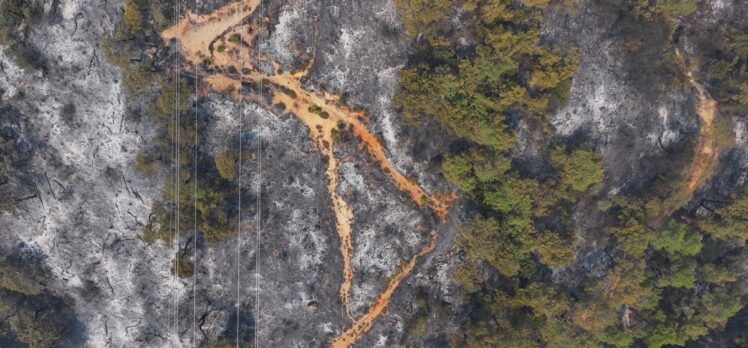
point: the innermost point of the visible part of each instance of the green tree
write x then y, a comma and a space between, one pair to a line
423, 17
730, 222
716, 307
459, 170
676, 238
580, 168
718, 273
554, 251
475, 167
627, 283
631, 234
663, 335
513, 197
544, 299
681, 273
487, 239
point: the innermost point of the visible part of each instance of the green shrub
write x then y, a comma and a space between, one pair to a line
27, 57
676, 8
226, 164
184, 267
315, 109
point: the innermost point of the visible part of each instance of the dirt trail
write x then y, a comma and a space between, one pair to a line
706, 153
706, 148
323, 113
363, 324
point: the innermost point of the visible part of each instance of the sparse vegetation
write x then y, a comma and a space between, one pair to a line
15, 12
31, 315
67, 113
212, 196
31, 329
416, 327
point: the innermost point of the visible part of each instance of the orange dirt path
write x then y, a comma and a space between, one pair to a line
707, 153
706, 149
363, 324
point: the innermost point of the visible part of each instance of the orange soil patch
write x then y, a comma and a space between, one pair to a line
195, 43
322, 113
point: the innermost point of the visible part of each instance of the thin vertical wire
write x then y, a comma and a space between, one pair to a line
178, 188
172, 220
194, 208
259, 197
239, 219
